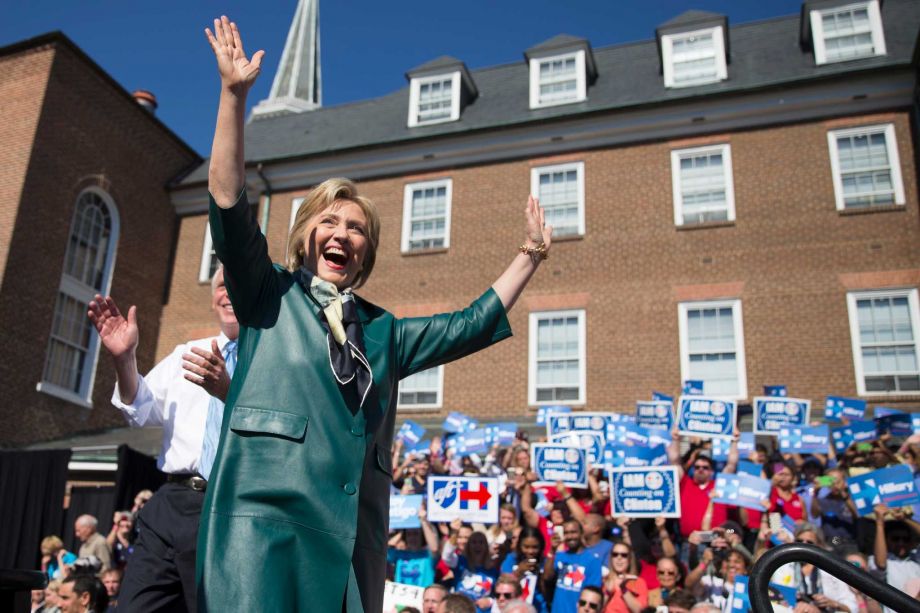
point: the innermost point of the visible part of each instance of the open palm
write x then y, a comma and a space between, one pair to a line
118, 334
237, 72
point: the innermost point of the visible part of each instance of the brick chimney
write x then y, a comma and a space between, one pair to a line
146, 99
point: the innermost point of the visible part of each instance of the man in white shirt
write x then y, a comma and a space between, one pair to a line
177, 395
895, 551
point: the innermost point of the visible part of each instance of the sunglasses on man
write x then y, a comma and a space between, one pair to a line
594, 606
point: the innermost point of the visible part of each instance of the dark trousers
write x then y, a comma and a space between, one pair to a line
160, 575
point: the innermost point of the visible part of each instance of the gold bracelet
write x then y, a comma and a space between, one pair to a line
538, 252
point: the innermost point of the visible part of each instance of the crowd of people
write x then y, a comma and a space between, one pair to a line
561, 549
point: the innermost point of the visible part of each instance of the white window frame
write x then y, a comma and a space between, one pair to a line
875, 25
414, 92
852, 298
893, 160
438, 403
581, 81
207, 251
579, 168
77, 290
667, 54
677, 192
407, 212
296, 203
534, 319
737, 328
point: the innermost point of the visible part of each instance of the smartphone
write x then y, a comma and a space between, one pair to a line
825, 481
863, 446
706, 536
559, 531
661, 609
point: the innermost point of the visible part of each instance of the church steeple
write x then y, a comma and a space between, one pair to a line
298, 84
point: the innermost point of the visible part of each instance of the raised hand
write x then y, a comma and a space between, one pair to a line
208, 370
237, 72
537, 231
118, 335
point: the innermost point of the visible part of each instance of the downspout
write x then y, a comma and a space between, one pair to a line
266, 201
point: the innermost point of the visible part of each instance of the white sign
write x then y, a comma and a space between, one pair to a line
472, 499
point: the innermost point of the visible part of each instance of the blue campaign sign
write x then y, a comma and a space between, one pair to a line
655, 414
596, 422
591, 442
749, 468
404, 511
692, 387
706, 416
915, 422
626, 432
552, 462
473, 441
542, 412
501, 433
645, 492
782, 595
458, 422
836, 407
772, 413
895, 421
410, 433
630, 456
775, 390
721, 447
471, 499
661, 396
893, 486
420, 448
741, 602
814, 439
742, 490
855, 432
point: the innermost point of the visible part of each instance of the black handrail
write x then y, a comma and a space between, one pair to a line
826, 561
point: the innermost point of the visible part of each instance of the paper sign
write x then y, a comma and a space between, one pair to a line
772, 413
721, 447
616, 456
472, 499
741, 602
915, 422
660, 396
775, 390
419, 449
893, 486
856, 432
404, 511
542, 412
813, 439
742, 490
655, 414
410, 433
895, 421
501, 433
591, 442
559, 423
836, 407
645, 492
705, 416
466, 443
458, 422
692, 387
749, 468
552, 462
398, 596
782, 595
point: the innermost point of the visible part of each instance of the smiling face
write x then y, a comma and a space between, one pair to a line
619, 558
571, 533
223, 310
336, 242
667, 573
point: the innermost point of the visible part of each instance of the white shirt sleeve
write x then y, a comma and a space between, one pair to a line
149, 406
835, 589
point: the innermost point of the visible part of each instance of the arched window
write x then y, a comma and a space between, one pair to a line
73, 348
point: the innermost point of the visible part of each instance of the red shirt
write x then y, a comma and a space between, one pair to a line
693, 502
792, 506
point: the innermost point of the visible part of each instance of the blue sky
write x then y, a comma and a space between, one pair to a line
367, 45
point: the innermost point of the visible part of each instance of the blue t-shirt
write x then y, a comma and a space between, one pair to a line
530, 584
412, 567
573, 572
601, 550
54, 571
473, 582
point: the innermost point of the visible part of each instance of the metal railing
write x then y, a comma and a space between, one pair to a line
770, 562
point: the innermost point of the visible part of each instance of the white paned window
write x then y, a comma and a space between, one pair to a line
559, 79
209, 261
702, 183
423, 390
557, 357
561, 190
296, 203
426, 215
886, 352
694, 58
434, 99
847, 32
712, 347
73, 347
865, 167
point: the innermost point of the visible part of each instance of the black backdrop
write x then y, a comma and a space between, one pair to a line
136, 472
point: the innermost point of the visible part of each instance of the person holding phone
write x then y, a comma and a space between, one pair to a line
834, 507
526, 563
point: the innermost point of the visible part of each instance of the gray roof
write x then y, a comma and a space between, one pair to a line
764, 54
559, 40
691, 17
444, 61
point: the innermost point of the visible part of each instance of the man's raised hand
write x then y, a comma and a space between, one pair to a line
118, 335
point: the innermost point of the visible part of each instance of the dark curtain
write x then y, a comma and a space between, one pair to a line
98, 501
136, 472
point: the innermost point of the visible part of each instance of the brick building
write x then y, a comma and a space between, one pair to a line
83, 209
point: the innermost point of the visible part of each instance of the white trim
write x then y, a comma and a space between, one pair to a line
728, 174
894, 162
296, 203
204, 268
875, 27
415, 89
718, 47
737, 330
579, 168
581, 81
534, 318
59, 392
448, 184
439, 398
853, 316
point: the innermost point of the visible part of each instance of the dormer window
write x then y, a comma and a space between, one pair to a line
847, 32
438, 91
560, 71
694, 58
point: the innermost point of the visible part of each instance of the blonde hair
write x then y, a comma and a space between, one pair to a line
51, 545
321, 198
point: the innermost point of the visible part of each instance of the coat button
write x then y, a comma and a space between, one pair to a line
350, 489
357, 430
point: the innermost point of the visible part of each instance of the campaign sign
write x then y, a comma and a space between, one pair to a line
591, 442
895, 421
772, 413
404, 511
692, 387
749, 468
554, 462
472, 499
616, 456
501, 433
645, 492
893, 486
741, 602
721, 447
775, 390
626, 432
410, 433
458, 422
664, 397
557, 423
836, 407
542, 412
398, 596
706, 416
473, 441
813, 439
915, 422
742, 490
855, 432
655, 414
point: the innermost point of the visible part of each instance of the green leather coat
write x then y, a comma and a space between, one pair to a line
297, 509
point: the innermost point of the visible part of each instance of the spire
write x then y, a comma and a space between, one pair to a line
298, 85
